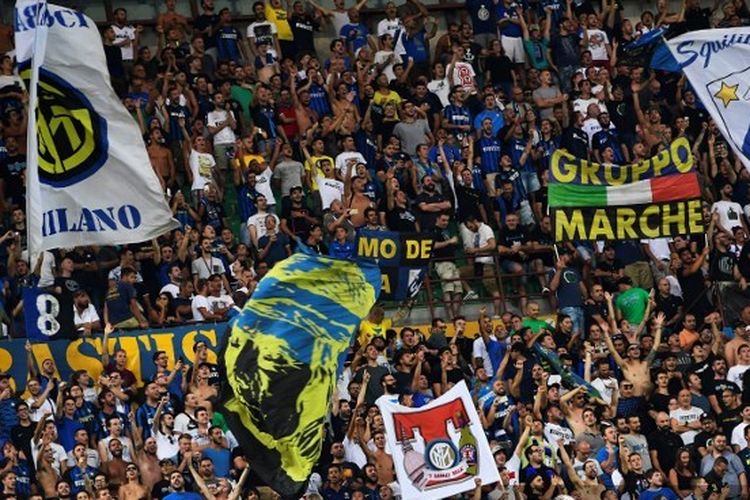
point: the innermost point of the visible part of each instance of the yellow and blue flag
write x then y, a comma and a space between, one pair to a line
282, 355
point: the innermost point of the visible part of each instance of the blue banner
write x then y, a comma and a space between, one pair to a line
402, 257
86, 354
47, 315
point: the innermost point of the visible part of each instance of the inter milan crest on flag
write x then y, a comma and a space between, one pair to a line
438, 449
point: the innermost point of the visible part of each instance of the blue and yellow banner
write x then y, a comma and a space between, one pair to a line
282, 357
402, 257
86, 354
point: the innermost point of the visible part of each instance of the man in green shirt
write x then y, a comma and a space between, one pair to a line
532, 321
631, 302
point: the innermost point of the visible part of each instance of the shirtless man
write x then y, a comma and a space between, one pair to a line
161, 159
382, 460
573, 410
355, 198
633, 368
731, 348
589, 487
148, 463
171, 20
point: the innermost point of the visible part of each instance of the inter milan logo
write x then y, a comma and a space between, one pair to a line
72, 135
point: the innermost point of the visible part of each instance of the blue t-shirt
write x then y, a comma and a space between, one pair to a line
118, 302
341, 250
509, 29
481, 16
222, 460
355, 35
650, 494
66, 430
183, 495
569, 290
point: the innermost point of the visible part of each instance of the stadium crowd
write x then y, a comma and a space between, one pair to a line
259, 142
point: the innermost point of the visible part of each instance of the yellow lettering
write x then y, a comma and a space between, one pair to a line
165, 342
624, 226
679, 147
388, 249
646, 230
668, 218
412, 249
695, 216
588, 173
42, 352
609, 177
189, 340
660, 162
130, 346
78, 360
6, 361
385, 283
567, 228
562, 171
638, 169
426, 249
368, 247
601, 227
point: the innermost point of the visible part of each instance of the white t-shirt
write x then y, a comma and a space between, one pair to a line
184, 423
201, 166
735, 374
125, 33
659, 247
167, 446
591, 126
343, 159
479, 350
684, 417
89, 315
463, 75
353, 453
223, 301
259, 221
730, 213
382, 56
581, 105
477, 240
263, 185
198, 302
205, 268
605, 387
553, 432
262, 30
598, 41
171, 289
225, 135
58, 455
330, 190
738, 435
389, 26
442, 89
47, 407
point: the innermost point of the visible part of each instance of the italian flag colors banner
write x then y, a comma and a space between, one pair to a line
655, 190
658, 197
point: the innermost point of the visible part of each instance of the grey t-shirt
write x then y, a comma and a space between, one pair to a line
412, 135
290, 172
546, 93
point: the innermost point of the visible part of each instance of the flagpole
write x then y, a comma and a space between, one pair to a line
33, 193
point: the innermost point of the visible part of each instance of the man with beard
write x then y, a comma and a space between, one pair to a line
430, 204
177, 483
163, 487
663, 444
148, 463
719, 385
115, 467
734, 476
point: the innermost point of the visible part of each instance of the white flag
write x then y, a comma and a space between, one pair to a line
717, 63
88, 176
440, 448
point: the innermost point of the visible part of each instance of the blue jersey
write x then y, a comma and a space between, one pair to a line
489, 149
509, 29
477, 179
516, 148
227, 44
78, 478
416, 46
23, 478
457, 115
355, 36
608, 139
319, 100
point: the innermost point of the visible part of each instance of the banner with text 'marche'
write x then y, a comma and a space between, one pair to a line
89, 179
655, 198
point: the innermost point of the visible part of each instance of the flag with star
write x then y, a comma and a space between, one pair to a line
717, 64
